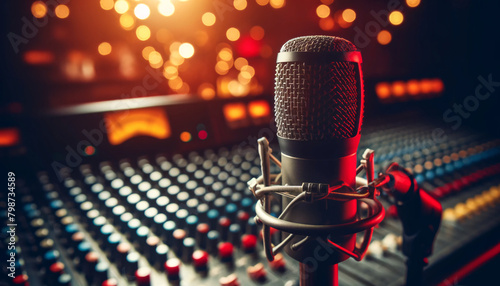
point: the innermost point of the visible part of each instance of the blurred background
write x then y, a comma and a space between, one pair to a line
202, 76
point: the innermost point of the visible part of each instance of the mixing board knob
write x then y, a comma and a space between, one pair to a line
55, 270
249, 242
21, 280
101, 272
131, 265
201, 235
257, 272
168, 230
226, 251
375, 249
191, 223
188, 248
110, 282
179, 235
143, 276
160, 256
89, 264
64, 280
278, 264
449, 215
200, 259
390, 242
172, 267
223, 227
213, 240
122, 251
234, 234
231, 280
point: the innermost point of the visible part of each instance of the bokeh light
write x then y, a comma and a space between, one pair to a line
232, 34
186, 50
127, 21
323, 11
276, 4
208, 19
146, 51
142, 11
349, 15
206, 91
262, 2
398, 88
383, 90
257, 33
384, 37
104, 48
62, 11
326, 24
121, 6
107, 4
166, 8
240, 5
412, 3
396, 18
143, 33
38, 9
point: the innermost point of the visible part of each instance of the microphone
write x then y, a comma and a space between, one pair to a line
318, 110
319, 100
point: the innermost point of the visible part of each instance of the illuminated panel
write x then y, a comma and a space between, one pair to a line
127, 124
9, 137
235, 114
259, 109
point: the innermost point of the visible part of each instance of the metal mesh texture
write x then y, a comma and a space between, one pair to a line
318, 44
316, 102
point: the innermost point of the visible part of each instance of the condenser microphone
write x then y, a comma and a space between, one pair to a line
318, 111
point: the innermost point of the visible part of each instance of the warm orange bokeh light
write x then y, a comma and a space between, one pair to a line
437, 85
412, 3
326, 24
398, 88
121, 6
276, 4
141, 11
185, 136
127, 21
349, 15
143, 33
413, 87
384, 37
124, 125
36, 57
257, 33
166, 8
240, 5
104, 48
426, 86
383, 90
62, 11
323, 11
38, 9
396, 18
9, 137
234, 112
206, 91
107, 4
208, 19
186, 50
232, 34
259, 109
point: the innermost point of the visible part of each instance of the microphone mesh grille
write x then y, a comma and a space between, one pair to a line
317, 101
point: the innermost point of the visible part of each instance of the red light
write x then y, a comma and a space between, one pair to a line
202, 134
248, 47
89, 150
9, 137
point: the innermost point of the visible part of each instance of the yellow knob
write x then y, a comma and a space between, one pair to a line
461, 211
449, 215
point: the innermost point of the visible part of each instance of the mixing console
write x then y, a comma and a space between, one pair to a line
187, 219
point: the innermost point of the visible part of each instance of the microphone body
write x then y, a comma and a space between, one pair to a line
318, 111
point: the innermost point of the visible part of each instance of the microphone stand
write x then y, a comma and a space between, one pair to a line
327, 275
